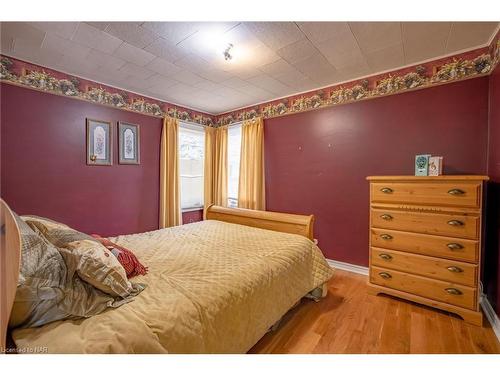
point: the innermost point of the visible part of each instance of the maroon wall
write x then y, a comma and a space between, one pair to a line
492, 250
43, 168
317, 162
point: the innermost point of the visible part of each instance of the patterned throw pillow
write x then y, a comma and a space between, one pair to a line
49, 289
127, 258
93, 262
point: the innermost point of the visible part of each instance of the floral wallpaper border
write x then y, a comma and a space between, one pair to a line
467, 65
36, 77
462, 66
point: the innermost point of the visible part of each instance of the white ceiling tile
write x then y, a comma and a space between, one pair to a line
277, 67
466, 34
136, 71
256, 92
112, 74
53, 42
26, 47
297, 51
135, 83
91, 37
215, 75
133, 54
191, 62
166, 49
22, 30
374, 36
263, 55
207, 85
208, 37
6, 43
294, 79
321, 31
234, 83
387, 58
341, 50
161, 89
435, 35
268, 83
103, 59
342, 59
276, 35
285, 73
354, 71
227, 92
173, 31
246, 72
160, 80
183, 88
185, 76
63, 29
317, 68
306, 85
132, 33
163, 67
99, 25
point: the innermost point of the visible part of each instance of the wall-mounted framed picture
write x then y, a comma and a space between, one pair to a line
128, 143
99, 145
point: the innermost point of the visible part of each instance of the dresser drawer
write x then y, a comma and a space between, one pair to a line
454, 294
423, 222
460, 194
435, 268
443, 247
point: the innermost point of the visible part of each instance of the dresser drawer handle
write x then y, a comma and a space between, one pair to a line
385, 275
455, 246
386, 236
386, 190
454, 291
454, 269
386, 217
456, 192
385, 256
455, 223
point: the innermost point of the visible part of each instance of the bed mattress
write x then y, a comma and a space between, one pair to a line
212, 287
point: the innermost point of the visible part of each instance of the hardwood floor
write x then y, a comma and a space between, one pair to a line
349, 320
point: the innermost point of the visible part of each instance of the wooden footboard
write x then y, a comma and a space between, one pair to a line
277, 221
10, 257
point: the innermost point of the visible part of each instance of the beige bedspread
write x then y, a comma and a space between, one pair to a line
213, 287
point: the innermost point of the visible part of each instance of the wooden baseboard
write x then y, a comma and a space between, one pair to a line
491, 315
348, 267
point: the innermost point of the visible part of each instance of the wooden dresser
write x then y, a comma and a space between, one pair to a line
425, 240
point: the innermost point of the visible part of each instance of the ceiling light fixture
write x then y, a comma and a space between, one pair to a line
227, 52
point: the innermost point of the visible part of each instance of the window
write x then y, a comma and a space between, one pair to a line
191, 165
233, 161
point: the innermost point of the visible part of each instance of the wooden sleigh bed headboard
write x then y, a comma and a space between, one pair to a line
10, 257
277, 221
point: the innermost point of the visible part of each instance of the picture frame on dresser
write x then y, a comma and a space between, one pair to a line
129, 143
99, 136
425, 241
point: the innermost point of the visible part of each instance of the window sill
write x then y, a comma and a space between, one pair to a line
192, 209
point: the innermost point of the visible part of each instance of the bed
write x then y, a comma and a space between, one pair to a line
216, 286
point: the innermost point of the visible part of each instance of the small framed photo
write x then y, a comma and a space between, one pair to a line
99, 145
128, 143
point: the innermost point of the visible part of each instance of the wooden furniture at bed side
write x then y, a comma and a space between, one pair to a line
10, 256
425, 241
277, 221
